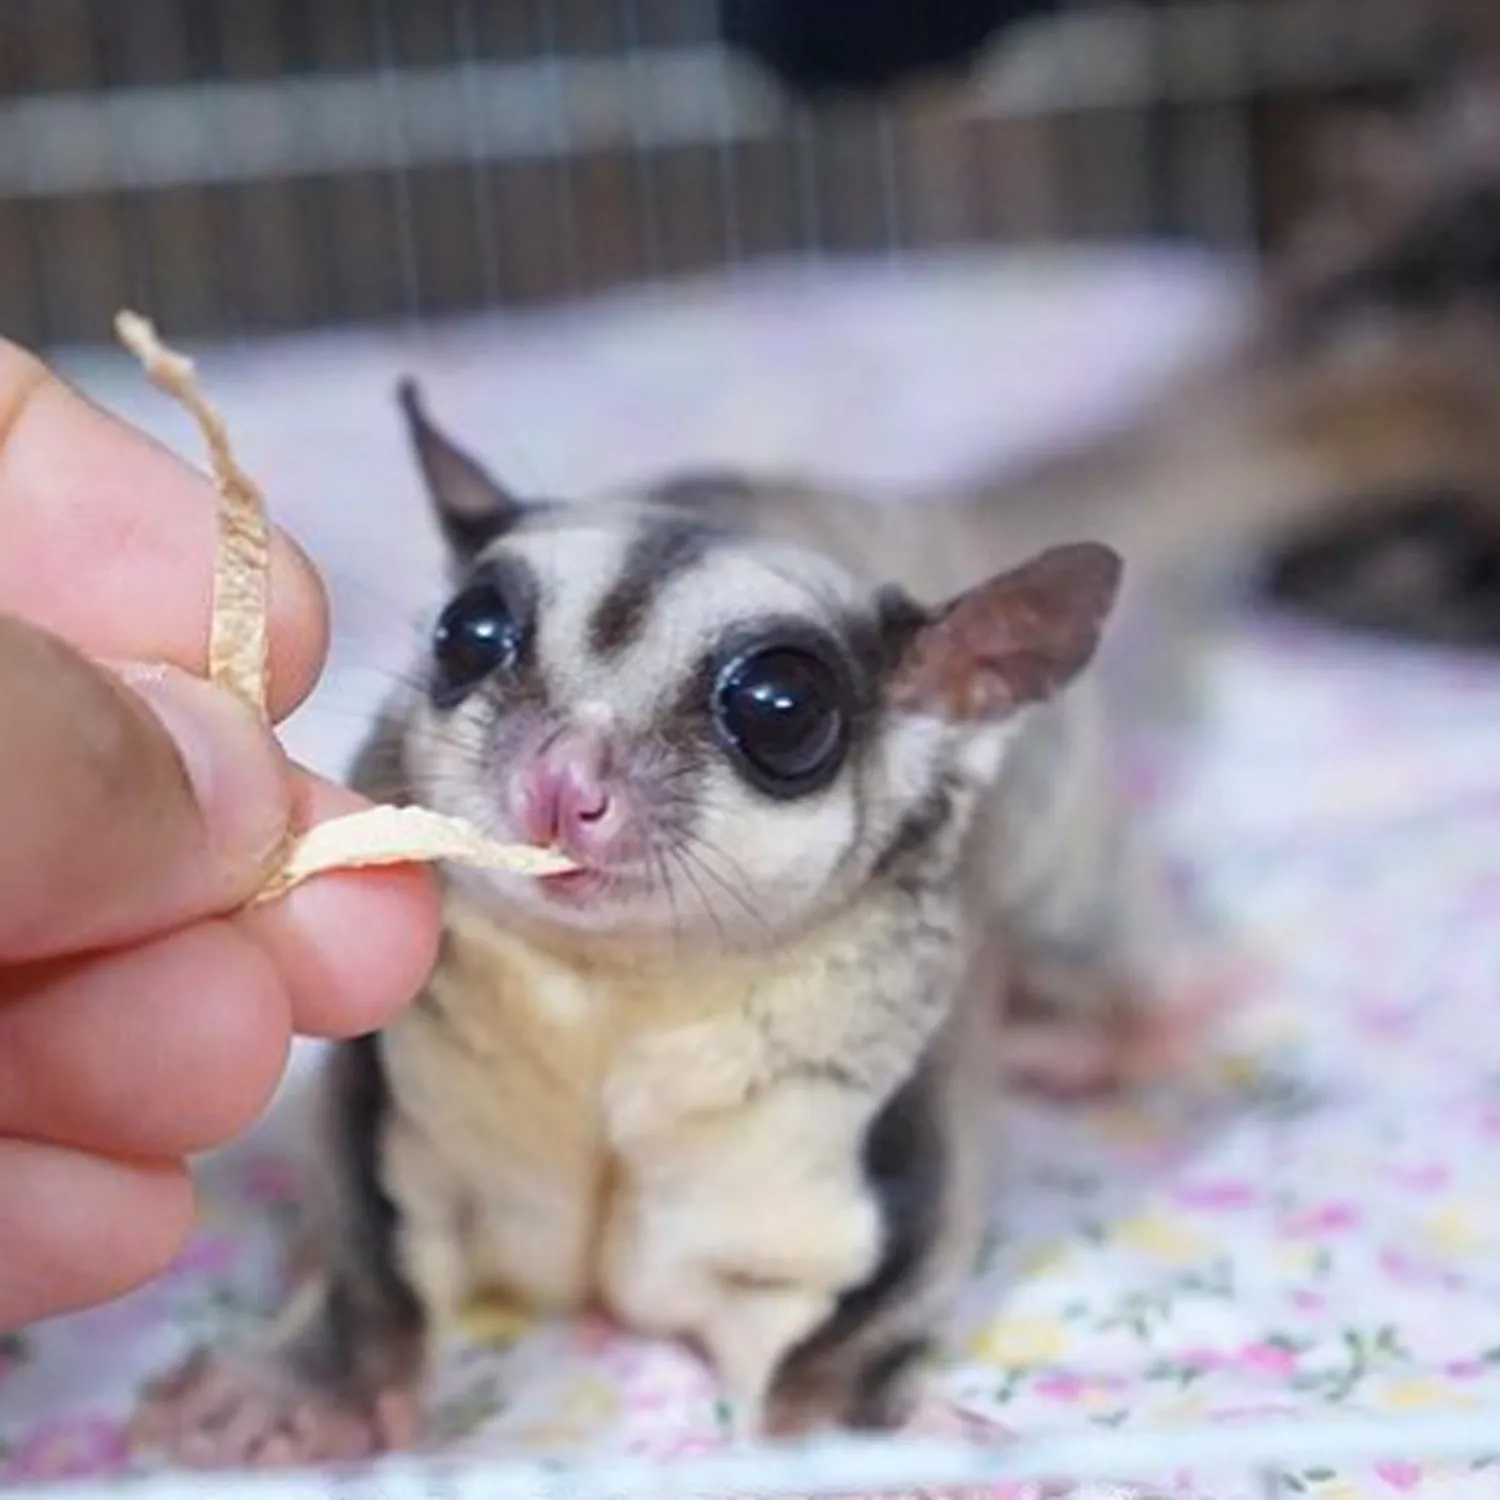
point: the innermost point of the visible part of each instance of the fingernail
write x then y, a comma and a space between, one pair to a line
235, 766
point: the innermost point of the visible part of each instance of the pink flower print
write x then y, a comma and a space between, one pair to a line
652, 1400
1399, 1475
205, 1255
1312, 1302
1265, 1359
269, 1181
1385, 1021
1065, 1388
1204, 1359
1258, 1359
1322, 1219
1398, 1265
1216, 1196
1001, 1489
625, 1361
125, 1318
1410, 1271
1429, 1177
597, 1334
1266, 1411
1072, 1389
70, 1448
1465, 1369
687, 1445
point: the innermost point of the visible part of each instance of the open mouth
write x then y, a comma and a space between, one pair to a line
572, 885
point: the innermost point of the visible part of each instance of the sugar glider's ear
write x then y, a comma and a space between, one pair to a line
471, 506
1015, 640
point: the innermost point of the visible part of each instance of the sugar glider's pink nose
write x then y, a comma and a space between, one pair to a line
566, 799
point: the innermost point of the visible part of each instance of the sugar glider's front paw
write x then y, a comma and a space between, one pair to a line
662, 1077
747, 1335
225, 1411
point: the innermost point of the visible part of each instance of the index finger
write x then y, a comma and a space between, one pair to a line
109, 539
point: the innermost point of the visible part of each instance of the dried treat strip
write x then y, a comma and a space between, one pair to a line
237, 647
238, 663
389, 835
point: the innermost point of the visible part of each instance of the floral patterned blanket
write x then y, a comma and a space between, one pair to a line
1307, 1227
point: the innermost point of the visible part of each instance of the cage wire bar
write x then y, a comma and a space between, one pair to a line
243, 166
249, 165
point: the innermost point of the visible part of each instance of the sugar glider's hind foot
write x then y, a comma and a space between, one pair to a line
334, 1379
336, 1376
882, 1393
1077, 1034
232, 1411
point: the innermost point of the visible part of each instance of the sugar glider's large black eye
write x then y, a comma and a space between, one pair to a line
477, 636
782, 712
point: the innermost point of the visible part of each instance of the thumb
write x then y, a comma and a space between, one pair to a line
130, 802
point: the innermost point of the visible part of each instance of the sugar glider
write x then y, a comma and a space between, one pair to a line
840, 798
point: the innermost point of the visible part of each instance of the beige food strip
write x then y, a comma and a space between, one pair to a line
387, 835
237, 646
238, 663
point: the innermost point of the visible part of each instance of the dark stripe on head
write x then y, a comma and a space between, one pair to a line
666, 547
721, 495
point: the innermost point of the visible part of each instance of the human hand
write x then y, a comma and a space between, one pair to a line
143, 1016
